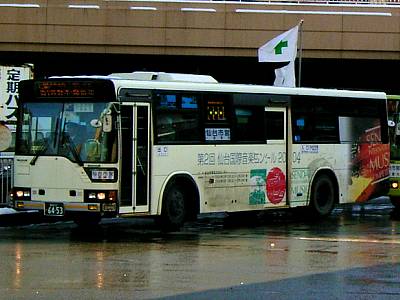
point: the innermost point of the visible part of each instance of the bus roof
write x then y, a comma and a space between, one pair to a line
193, 82
393, 97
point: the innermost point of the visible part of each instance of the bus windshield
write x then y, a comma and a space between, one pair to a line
75, 130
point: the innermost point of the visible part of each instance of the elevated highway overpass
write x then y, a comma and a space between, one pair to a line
177, 31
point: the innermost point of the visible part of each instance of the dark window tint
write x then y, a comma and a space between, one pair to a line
177, 118
274, 123
315, 128
314, 119
334, 120
249, 124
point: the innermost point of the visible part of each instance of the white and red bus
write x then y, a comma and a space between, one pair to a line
176, 145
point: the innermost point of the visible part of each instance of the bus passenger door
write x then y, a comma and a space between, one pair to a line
276, 175
135, 158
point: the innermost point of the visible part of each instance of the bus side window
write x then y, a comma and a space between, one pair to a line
249, 124
316, 129
275, 127
165, 127
177, 118
298, 129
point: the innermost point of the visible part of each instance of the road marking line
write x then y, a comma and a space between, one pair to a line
351, 240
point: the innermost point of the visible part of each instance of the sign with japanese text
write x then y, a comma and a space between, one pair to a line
10, 76
218, 134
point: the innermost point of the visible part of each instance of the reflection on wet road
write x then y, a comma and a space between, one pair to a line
352, 254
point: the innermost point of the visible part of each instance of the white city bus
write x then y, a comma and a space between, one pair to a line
176, 145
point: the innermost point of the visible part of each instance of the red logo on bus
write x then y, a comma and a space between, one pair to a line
276, 185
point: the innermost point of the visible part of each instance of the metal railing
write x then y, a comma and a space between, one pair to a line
6, 178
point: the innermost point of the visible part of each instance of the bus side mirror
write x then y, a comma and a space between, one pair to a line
107, 123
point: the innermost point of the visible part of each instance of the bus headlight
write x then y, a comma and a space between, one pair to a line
21, 193
100, 196
394, 185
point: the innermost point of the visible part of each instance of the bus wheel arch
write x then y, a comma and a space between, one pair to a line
180, 201
324, 193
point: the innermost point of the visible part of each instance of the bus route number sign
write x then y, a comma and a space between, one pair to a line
54, 209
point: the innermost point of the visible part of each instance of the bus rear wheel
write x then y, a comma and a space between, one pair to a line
322, 199
173, 212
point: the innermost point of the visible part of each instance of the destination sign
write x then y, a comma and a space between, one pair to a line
65, 89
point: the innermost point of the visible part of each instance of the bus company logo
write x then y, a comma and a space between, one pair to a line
276, 185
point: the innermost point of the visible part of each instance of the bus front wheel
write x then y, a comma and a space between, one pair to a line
322, 199
173, 212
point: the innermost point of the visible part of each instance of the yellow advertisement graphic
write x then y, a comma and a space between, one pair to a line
370, 164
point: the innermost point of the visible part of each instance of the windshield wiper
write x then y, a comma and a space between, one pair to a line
38, 153
72, 149
56, 133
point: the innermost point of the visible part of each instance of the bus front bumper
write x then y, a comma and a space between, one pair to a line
60, 209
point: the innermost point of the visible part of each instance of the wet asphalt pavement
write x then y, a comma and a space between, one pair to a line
353, 254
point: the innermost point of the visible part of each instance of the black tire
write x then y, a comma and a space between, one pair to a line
323, 195
395, 202
174, 209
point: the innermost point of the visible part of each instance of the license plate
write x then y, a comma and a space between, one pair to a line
109, 207
53, 209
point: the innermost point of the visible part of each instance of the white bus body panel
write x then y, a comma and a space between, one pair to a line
228, 177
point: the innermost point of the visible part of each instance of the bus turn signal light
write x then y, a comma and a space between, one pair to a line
94, 207
112, 196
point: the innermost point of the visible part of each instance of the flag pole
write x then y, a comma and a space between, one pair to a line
300, 50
